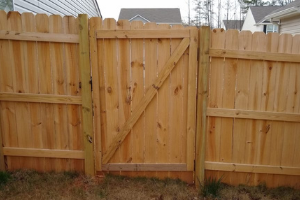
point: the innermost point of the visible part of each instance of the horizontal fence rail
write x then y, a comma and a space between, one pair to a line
113, 34
38, 37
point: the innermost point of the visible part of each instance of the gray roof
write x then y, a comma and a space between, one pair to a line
233, 24
158, 15
290, 5
259, 12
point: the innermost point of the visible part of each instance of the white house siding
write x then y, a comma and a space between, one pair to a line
249, 23
60, 7
290, 25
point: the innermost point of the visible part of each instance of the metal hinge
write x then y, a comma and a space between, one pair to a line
91, 82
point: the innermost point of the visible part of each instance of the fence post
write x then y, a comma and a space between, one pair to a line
203, 73
2, 164
87, 115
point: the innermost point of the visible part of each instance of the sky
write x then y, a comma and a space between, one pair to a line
111, 8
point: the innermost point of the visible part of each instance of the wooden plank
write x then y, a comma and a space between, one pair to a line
45, 87
95, 23
4, 82
241, 126
203, 76
254, 55
174, 167
137, 85
38, 37
146, 99
250, 168
176, 127
192, 90
59, 88
34, 139
19, 83
125, 92
40, 98
163, 144
87, 115
250, 114
43, 153
111, 87
141, 34
75, 142
151, 112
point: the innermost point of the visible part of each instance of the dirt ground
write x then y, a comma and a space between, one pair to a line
25, 185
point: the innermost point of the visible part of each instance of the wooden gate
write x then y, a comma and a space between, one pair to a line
144, 97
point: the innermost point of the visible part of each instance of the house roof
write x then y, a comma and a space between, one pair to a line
233, 24
289, 9
259, 12
158, 15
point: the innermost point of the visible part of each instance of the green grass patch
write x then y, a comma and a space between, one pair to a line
4, 177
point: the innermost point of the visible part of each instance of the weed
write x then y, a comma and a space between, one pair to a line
4, 177
211, 187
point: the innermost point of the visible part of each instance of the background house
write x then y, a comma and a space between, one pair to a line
254, 19
159, 15
287, 18
60, 7
232, 24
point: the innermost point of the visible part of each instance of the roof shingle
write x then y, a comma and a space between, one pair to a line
158, 15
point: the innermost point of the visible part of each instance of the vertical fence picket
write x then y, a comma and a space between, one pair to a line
151, 111
125, 91
175, 112
137, 73
75, 142
31, 68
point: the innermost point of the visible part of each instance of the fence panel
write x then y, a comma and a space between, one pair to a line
39, 94
261, 95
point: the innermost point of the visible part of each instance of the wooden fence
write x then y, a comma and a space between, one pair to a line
253, 112
143, 115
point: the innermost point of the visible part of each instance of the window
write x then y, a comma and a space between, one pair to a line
271, 28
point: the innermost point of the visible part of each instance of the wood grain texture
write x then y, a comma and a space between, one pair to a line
252, 55
249, 114
203, 74
27, 35
175, 155
95, 23
72, 74
137, 85
151, 112
87, 115
43, 153
192, 88
264, 169
141, 34
136, 113
40, 98
143, 167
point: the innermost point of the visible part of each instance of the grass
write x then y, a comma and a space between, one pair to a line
211, 187
25, 185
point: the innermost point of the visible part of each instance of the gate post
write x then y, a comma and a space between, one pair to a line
87, 115
203, 74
